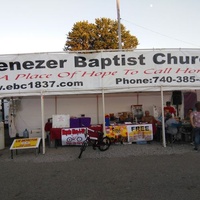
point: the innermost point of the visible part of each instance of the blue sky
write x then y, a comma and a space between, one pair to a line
29, 26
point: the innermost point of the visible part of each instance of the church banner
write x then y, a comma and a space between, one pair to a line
92, 72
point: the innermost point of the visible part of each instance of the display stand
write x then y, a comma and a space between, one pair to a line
25, 143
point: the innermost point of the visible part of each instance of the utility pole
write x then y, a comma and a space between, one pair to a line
119, 25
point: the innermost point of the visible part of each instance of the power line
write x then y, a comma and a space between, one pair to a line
161, 33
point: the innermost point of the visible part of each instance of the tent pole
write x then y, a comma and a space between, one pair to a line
56, 105
103, 105
97, 109
42, 116
137, 98
163, 118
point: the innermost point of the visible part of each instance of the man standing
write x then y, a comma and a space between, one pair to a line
195, 122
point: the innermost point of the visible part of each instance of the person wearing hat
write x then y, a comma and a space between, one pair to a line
169, 109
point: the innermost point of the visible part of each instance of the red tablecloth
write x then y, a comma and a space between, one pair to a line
55, 133
96, 128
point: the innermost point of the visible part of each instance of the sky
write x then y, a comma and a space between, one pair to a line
32, 26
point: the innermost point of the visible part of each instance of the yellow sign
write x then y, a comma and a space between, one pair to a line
117, 133
25, 143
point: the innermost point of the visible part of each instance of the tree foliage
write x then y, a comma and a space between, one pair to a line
103, 34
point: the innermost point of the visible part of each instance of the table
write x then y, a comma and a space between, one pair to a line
55, 133
184, 131
130, 133
73, 136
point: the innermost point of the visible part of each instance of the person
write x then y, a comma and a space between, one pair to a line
47, 128
150, 120
195, 122
170, 109
187, 117
159, 126
171, 126
159, 119
187, 127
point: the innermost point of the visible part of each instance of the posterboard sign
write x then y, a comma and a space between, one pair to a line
140, 132
60, 121
118, 133
73, 136
25, 143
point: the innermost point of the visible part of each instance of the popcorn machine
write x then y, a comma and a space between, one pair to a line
137, 112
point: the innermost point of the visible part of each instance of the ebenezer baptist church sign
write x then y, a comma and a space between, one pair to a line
115, 71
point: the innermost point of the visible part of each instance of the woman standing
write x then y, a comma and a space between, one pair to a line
195, 122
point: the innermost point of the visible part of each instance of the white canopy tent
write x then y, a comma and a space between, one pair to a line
101, 72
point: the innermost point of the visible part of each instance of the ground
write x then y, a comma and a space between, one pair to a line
139, 172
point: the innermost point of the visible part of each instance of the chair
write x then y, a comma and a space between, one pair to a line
173, 132
186, 132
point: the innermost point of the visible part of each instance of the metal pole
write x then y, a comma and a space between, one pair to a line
119, 25
163, 119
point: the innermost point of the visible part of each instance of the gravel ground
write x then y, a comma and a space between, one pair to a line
69, 153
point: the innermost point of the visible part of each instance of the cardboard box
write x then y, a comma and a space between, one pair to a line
36, 133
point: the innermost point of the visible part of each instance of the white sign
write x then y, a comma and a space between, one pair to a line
60, 121
73, 136
89, 73
140, 132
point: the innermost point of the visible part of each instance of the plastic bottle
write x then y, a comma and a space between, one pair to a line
25, 133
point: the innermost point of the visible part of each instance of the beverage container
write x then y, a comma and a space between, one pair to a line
25, 133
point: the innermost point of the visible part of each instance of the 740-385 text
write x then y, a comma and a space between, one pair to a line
157, 79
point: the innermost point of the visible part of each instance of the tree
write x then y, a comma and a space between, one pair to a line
103, 34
